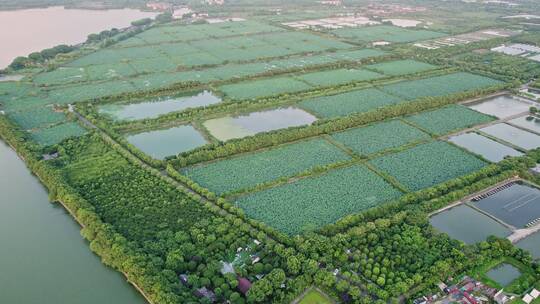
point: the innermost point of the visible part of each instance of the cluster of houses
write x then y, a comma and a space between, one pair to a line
243, 255
467, 291
531, 296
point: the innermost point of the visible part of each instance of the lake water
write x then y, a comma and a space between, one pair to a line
516, 205
532, 244
162, 143
501, 106
487, 148
503, 274
44, 258
529, 124
156, 107
513, 135
230, 127
30, 30
467, 225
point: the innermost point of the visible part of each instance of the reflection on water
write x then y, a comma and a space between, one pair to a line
504, 274
30, 30
501, 106
487, 148
228, 127
513, 135
154, 108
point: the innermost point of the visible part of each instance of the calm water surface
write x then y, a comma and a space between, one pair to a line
487, 148
154, 108
532, 244
43, 257
467, 225
501, 106
25, 31
513, 135
229, 127
162, 143
504, 274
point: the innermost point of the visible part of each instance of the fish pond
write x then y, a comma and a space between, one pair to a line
531, 244
230, 127
503, 274
502, 106
513, 135
517, 205
467, 225
527, 122
156, 107
487, 148
162, 143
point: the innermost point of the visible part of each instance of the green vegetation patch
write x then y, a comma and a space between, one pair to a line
428, 164
349, 103
37, 117
250, 170
440, 85
340, 76
86, 92
58, 133
451, 118
264, 87
379, 137
386, 33
401, 67
313, 296
313, 202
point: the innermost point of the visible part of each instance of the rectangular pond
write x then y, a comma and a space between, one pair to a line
501, 106
527, 122
513, 135
162, 143
503, 274
531, 244
467, 225
517, 204
156, 107
487, 148
230, 127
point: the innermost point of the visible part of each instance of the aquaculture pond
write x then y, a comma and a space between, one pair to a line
501, 106
487, 148
513, 135
503, 274
467, 225
156, 107
517, 205
532, 244
162, 143
527, 122
230, 127
4, 78
44, 258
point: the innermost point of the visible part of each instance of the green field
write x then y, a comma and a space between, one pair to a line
56, 134
314, 297
379, 137
264, 87
428, 164
385, 33
451, 118
249, 170
37, 117
339, 76
440, 85
311, 203
349, 103
401, 67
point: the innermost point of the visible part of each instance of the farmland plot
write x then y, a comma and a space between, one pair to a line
349, 103
385, 33
440, 85
249, 170
264, 87
379, 137
56, 134
428, 164
401, 67
337, 77
313, 202
37, 117
451, 118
